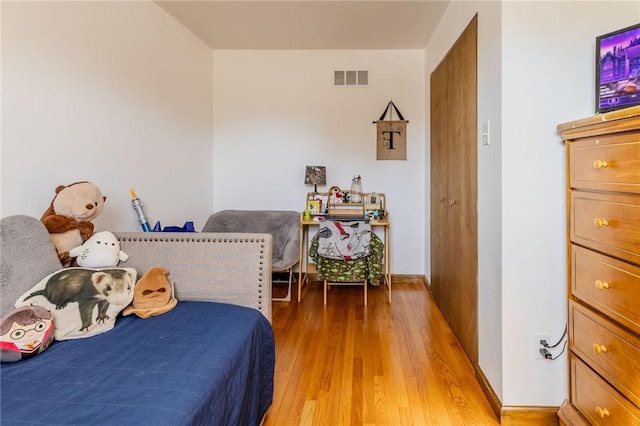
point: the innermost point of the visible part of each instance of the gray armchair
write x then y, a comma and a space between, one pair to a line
284, 227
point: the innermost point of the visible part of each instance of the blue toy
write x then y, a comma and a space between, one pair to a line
187, 227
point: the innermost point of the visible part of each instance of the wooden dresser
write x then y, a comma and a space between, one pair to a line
603, 209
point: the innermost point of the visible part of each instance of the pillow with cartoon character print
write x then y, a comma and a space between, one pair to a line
25, 332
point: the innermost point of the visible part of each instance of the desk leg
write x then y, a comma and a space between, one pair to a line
387, 260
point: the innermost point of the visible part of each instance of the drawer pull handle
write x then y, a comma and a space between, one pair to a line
599, 348
600, 164
600, 285
602, 412
600, 222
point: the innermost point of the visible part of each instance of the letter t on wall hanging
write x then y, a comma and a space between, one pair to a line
391, 143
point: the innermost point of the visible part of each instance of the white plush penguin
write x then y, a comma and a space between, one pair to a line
101, 250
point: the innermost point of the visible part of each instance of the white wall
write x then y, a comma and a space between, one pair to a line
490, 318
548, 64
117, 93
277, 112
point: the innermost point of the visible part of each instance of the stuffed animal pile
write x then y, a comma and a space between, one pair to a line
29, 329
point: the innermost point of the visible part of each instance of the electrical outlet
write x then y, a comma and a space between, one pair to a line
536, 344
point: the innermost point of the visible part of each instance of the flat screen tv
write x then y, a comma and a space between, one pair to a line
618, 69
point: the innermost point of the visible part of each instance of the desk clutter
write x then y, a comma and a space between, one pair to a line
344, 205
345, 250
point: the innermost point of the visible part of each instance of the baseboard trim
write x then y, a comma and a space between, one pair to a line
516, 416
402, 278
487, 390
529, 416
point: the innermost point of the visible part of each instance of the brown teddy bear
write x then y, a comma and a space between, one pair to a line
68, 217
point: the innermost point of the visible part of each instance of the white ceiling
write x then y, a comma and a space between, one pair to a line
309, 24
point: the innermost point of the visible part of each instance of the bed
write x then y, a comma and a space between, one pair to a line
208, 361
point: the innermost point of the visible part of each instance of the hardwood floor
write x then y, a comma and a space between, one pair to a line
383, 364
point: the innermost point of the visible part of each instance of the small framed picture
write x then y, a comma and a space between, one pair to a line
373, 201
314, 206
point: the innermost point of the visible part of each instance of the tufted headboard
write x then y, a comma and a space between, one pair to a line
228, 268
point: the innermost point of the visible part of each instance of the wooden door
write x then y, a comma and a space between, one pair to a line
439, 188
454, 235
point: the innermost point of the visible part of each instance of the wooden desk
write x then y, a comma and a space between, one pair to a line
306, 267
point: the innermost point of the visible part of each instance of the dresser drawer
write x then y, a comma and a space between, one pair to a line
609, 163
597, 401
607, 284
611, 351
607, 222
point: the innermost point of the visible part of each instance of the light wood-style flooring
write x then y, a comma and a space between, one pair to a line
383, 364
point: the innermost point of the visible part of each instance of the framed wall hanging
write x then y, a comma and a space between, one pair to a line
391, 135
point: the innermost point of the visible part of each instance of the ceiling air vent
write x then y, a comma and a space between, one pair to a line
351, 78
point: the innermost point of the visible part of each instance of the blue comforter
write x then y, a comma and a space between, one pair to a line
198, 364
